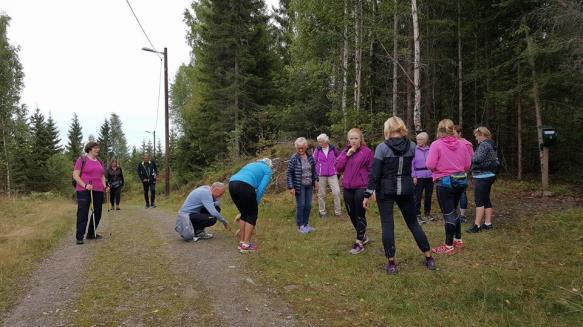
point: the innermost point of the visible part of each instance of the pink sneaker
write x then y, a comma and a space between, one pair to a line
444, 249
249, 248
459, 244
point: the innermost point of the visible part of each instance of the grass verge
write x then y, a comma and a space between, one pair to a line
30, 228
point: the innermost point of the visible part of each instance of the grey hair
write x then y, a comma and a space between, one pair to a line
218, 185
423, 135
323, 137
267, 161
300, 141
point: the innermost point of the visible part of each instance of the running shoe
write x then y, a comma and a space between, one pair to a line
420, 220
303, 230
323, 215
309, 229
357, 248
458, 244
474, 229
463, 219
96, 237
247, 248
487, 227
79, 242
204, 235
444, 249
391, 268
430, 263
153, 206
366, 240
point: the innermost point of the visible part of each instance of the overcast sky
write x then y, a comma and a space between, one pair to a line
85, 57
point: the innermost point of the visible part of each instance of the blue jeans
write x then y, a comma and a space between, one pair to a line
303, 204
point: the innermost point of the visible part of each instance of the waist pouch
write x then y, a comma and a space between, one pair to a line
458, 181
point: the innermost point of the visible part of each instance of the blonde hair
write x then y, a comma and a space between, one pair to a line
395, 125
483, 131
445, 128
357, 131
300, 141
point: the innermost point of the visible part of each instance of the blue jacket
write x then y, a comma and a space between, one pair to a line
294, 172
199, 198
256, 174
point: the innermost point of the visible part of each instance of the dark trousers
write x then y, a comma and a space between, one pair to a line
115, 195
406, 204
423, 185
449, 198
151, 187
304, 204
482, 188
353, 201
83, 207
464, 201
202, 220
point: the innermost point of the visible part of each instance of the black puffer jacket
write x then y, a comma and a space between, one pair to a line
391, 169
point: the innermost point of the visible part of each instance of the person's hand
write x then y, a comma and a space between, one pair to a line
227, 226
350, 151
415, 180
145, 180
317, 186
89, 187
292, 191
366, 203
107, 188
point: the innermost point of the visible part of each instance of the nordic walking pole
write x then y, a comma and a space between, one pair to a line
93, 215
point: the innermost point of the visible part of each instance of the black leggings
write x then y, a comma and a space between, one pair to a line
115, 195
406, 204
482, 188
245, 198
83, 207
152, 188
449, 199
423, 185
353, 200
202, 220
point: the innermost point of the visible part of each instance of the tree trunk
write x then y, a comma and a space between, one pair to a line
543, 151
519, 127
409, 114
417, 108
395, 58
459, 66
237, 136
345, 65
357, 53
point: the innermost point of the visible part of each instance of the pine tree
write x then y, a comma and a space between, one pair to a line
53, 134
39, 179
119, 145
74, 147
104, 140
21, 160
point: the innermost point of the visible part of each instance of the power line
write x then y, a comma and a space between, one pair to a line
143, 30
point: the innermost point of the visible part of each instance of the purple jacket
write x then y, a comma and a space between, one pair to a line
355, 168
325, 163
418, 168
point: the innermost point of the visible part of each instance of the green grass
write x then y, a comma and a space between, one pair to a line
27, 235
528, 273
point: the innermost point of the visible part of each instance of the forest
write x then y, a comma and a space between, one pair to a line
259, 76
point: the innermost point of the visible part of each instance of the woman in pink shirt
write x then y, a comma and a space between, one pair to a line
89, 174
449, 160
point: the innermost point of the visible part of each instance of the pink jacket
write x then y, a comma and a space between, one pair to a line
447, 156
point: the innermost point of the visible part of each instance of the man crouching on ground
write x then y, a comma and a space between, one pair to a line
202, 207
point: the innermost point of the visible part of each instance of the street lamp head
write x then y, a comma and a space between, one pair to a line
149, 50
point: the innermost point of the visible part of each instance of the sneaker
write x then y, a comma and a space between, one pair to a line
153, 206
357, 248
117, 208
79, 242
249, 248
486, 227
463, 219
338, 214
473, 229
96, 237
420, 220
432, 218
391, 268
309, 229
430, 263
444, 249
204, 235
323, 215
303, 230
458, 244
366, 240
239, 246
147, 206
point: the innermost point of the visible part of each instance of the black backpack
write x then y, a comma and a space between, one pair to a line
83, 160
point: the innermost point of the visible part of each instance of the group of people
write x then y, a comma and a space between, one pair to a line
92, 179
398, 171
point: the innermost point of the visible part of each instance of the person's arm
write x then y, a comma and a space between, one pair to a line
209, 205
154, 168
77, 174
264, 182
341, 161
374, 177
140, 175
290, 174
315, 177
432, 157
121, 177
481, 153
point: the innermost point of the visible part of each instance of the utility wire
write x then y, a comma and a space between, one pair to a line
143, 30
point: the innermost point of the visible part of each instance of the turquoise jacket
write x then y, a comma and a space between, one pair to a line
256, 174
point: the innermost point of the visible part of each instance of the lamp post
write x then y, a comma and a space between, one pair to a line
154, 143
166, 121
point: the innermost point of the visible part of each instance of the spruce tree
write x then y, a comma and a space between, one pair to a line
53, 136
119, 145
104, 140
39, 179
21, 160
74, 146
